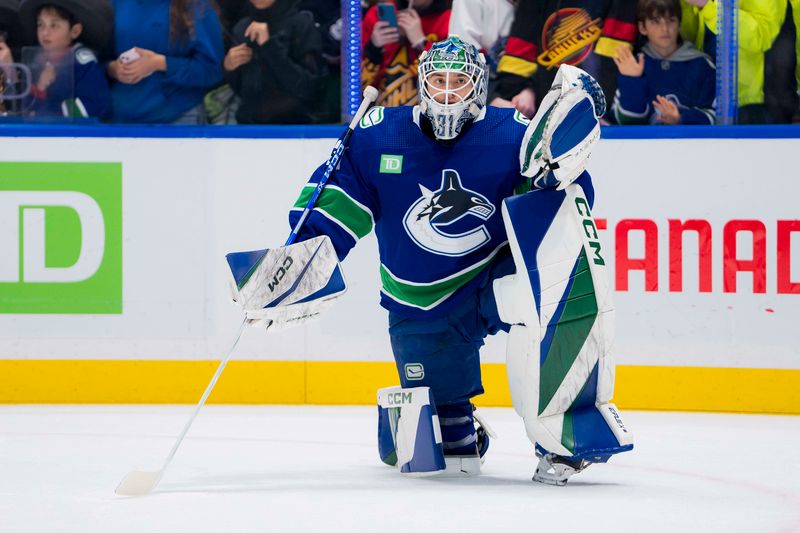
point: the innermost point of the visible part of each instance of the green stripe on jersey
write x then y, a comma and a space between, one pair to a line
426, 295
336, 203
572, 330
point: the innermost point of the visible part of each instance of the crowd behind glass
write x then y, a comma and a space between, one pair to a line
278, 61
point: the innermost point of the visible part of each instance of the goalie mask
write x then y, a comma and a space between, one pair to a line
453, 80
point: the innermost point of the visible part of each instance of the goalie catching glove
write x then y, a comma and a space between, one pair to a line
564, 130
287, 286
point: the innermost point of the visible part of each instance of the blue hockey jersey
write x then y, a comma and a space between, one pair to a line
687, 77
435, 206
80, 88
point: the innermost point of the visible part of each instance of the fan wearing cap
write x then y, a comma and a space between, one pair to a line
67, 79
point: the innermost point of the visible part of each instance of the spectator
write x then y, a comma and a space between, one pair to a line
759, 24
795, 21
669, 82
484, 24
10, 34
549, 33
10, 27
231, 12
328, 20
391, 53
366, 4
173, 55
277, 66
67, 80
780, 69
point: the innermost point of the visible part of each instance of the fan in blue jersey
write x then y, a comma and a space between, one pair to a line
669, 82
466, 251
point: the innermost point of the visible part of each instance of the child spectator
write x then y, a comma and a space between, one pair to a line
669, 82
391, 52
277, 68
759, 24
169, 54
66, 80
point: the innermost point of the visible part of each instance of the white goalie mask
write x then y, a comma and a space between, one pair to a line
453, 83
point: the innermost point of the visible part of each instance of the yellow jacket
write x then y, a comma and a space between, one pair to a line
759, 24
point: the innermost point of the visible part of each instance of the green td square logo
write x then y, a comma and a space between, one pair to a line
391, 164
61, 238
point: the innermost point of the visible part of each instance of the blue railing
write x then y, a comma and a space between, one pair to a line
335, 130
727, 61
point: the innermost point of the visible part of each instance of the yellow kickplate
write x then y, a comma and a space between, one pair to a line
747, 390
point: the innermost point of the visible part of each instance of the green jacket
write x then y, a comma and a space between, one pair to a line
759, 24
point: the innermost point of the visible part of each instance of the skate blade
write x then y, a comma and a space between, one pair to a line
549, 480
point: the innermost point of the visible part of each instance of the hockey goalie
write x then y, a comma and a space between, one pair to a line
484, 224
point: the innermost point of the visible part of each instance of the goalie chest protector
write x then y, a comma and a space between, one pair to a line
435, 206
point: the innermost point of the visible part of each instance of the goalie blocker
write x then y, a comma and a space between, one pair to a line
287, 286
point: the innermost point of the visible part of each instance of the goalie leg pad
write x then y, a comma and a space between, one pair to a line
409, 435
561, 374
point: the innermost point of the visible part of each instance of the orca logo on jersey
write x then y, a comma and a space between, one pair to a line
426, 218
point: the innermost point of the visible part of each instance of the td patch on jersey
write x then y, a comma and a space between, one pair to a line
391, 164
428, 217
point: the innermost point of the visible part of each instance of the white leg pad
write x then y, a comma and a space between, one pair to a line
559, 364
409, 435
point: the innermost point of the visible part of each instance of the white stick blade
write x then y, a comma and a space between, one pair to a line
138, 483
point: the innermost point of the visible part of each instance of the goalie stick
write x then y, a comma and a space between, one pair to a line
141, 482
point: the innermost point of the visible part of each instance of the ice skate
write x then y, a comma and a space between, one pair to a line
556, 470
468, 459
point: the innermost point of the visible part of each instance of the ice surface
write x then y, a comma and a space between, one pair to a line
309, 468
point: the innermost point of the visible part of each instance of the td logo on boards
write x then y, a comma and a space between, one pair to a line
61, 238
